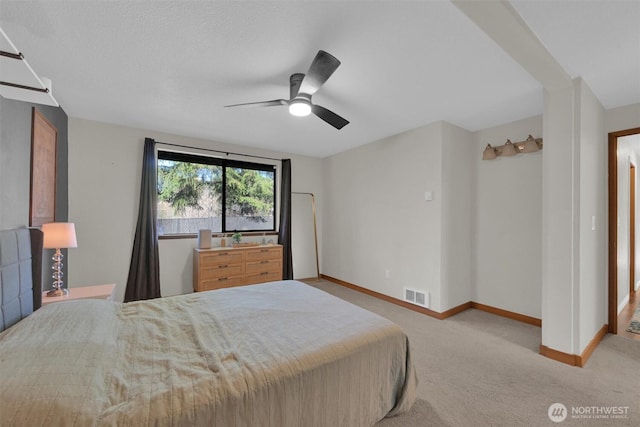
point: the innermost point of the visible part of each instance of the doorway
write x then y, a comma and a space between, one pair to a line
613, 227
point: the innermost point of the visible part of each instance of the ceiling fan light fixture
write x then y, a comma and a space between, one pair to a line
300, 108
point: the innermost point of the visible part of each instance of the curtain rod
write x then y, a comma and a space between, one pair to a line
217, 151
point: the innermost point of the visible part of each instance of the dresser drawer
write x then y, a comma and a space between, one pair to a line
266, 265
221, 270
252, 279
221, 282
221, 257
264, 254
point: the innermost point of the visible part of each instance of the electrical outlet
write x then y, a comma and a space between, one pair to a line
387, 274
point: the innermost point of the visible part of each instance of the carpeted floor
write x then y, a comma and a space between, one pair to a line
478, 369
634, 325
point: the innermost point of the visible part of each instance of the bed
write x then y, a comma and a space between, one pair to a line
274, 354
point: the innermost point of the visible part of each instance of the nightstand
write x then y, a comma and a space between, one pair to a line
84, 292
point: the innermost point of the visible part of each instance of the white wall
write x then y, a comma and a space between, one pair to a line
622, 118
574, 236
376, 217
592, 313
560, 196
457, 174
104, 184
507, 224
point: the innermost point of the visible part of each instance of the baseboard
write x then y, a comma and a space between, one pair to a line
575, 359
455, 310
396, 301
508, 314
559, 356
588, 351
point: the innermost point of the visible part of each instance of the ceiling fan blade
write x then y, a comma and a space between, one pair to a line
322, 67
273, 103
329, 116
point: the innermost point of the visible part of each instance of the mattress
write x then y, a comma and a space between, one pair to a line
275, 354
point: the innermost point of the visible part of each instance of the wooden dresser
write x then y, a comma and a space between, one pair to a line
227, 267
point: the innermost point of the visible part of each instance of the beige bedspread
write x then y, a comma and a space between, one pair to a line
277, 354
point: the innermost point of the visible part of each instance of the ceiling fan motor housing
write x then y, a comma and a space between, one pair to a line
295, 81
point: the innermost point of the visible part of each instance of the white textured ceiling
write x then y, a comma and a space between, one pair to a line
171, 66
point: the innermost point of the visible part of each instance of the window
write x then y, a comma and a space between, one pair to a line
199, 192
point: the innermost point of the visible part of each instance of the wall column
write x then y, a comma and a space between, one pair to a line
560, 217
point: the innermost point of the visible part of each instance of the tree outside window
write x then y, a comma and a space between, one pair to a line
199, 192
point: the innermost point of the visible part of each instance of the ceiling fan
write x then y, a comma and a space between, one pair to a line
302, 87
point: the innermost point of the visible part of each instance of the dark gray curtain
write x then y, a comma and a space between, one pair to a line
284, 235
144, 272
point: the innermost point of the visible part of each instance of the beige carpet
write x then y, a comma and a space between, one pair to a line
478, 369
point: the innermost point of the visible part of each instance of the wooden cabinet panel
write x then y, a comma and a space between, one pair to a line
264, 253
222, 268
252, 279
271, 265
221, 282
222, 257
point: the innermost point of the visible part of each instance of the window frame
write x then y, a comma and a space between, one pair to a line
164, 154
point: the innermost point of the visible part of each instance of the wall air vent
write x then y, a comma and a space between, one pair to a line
416, 297
409, 295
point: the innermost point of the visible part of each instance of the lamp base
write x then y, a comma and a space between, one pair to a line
58, 292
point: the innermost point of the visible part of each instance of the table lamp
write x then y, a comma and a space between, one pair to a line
58, 235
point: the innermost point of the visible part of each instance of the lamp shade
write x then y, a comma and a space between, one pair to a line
59, 235
509, 149
530, 145
489, 153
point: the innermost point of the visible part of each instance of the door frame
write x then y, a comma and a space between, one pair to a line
632, 229
613, 226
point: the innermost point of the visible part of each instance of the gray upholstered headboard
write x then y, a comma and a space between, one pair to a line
20, 274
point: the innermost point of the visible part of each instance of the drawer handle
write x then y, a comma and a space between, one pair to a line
264, 273
223, 266
264, 250
222, 279
264, 262
223, 254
